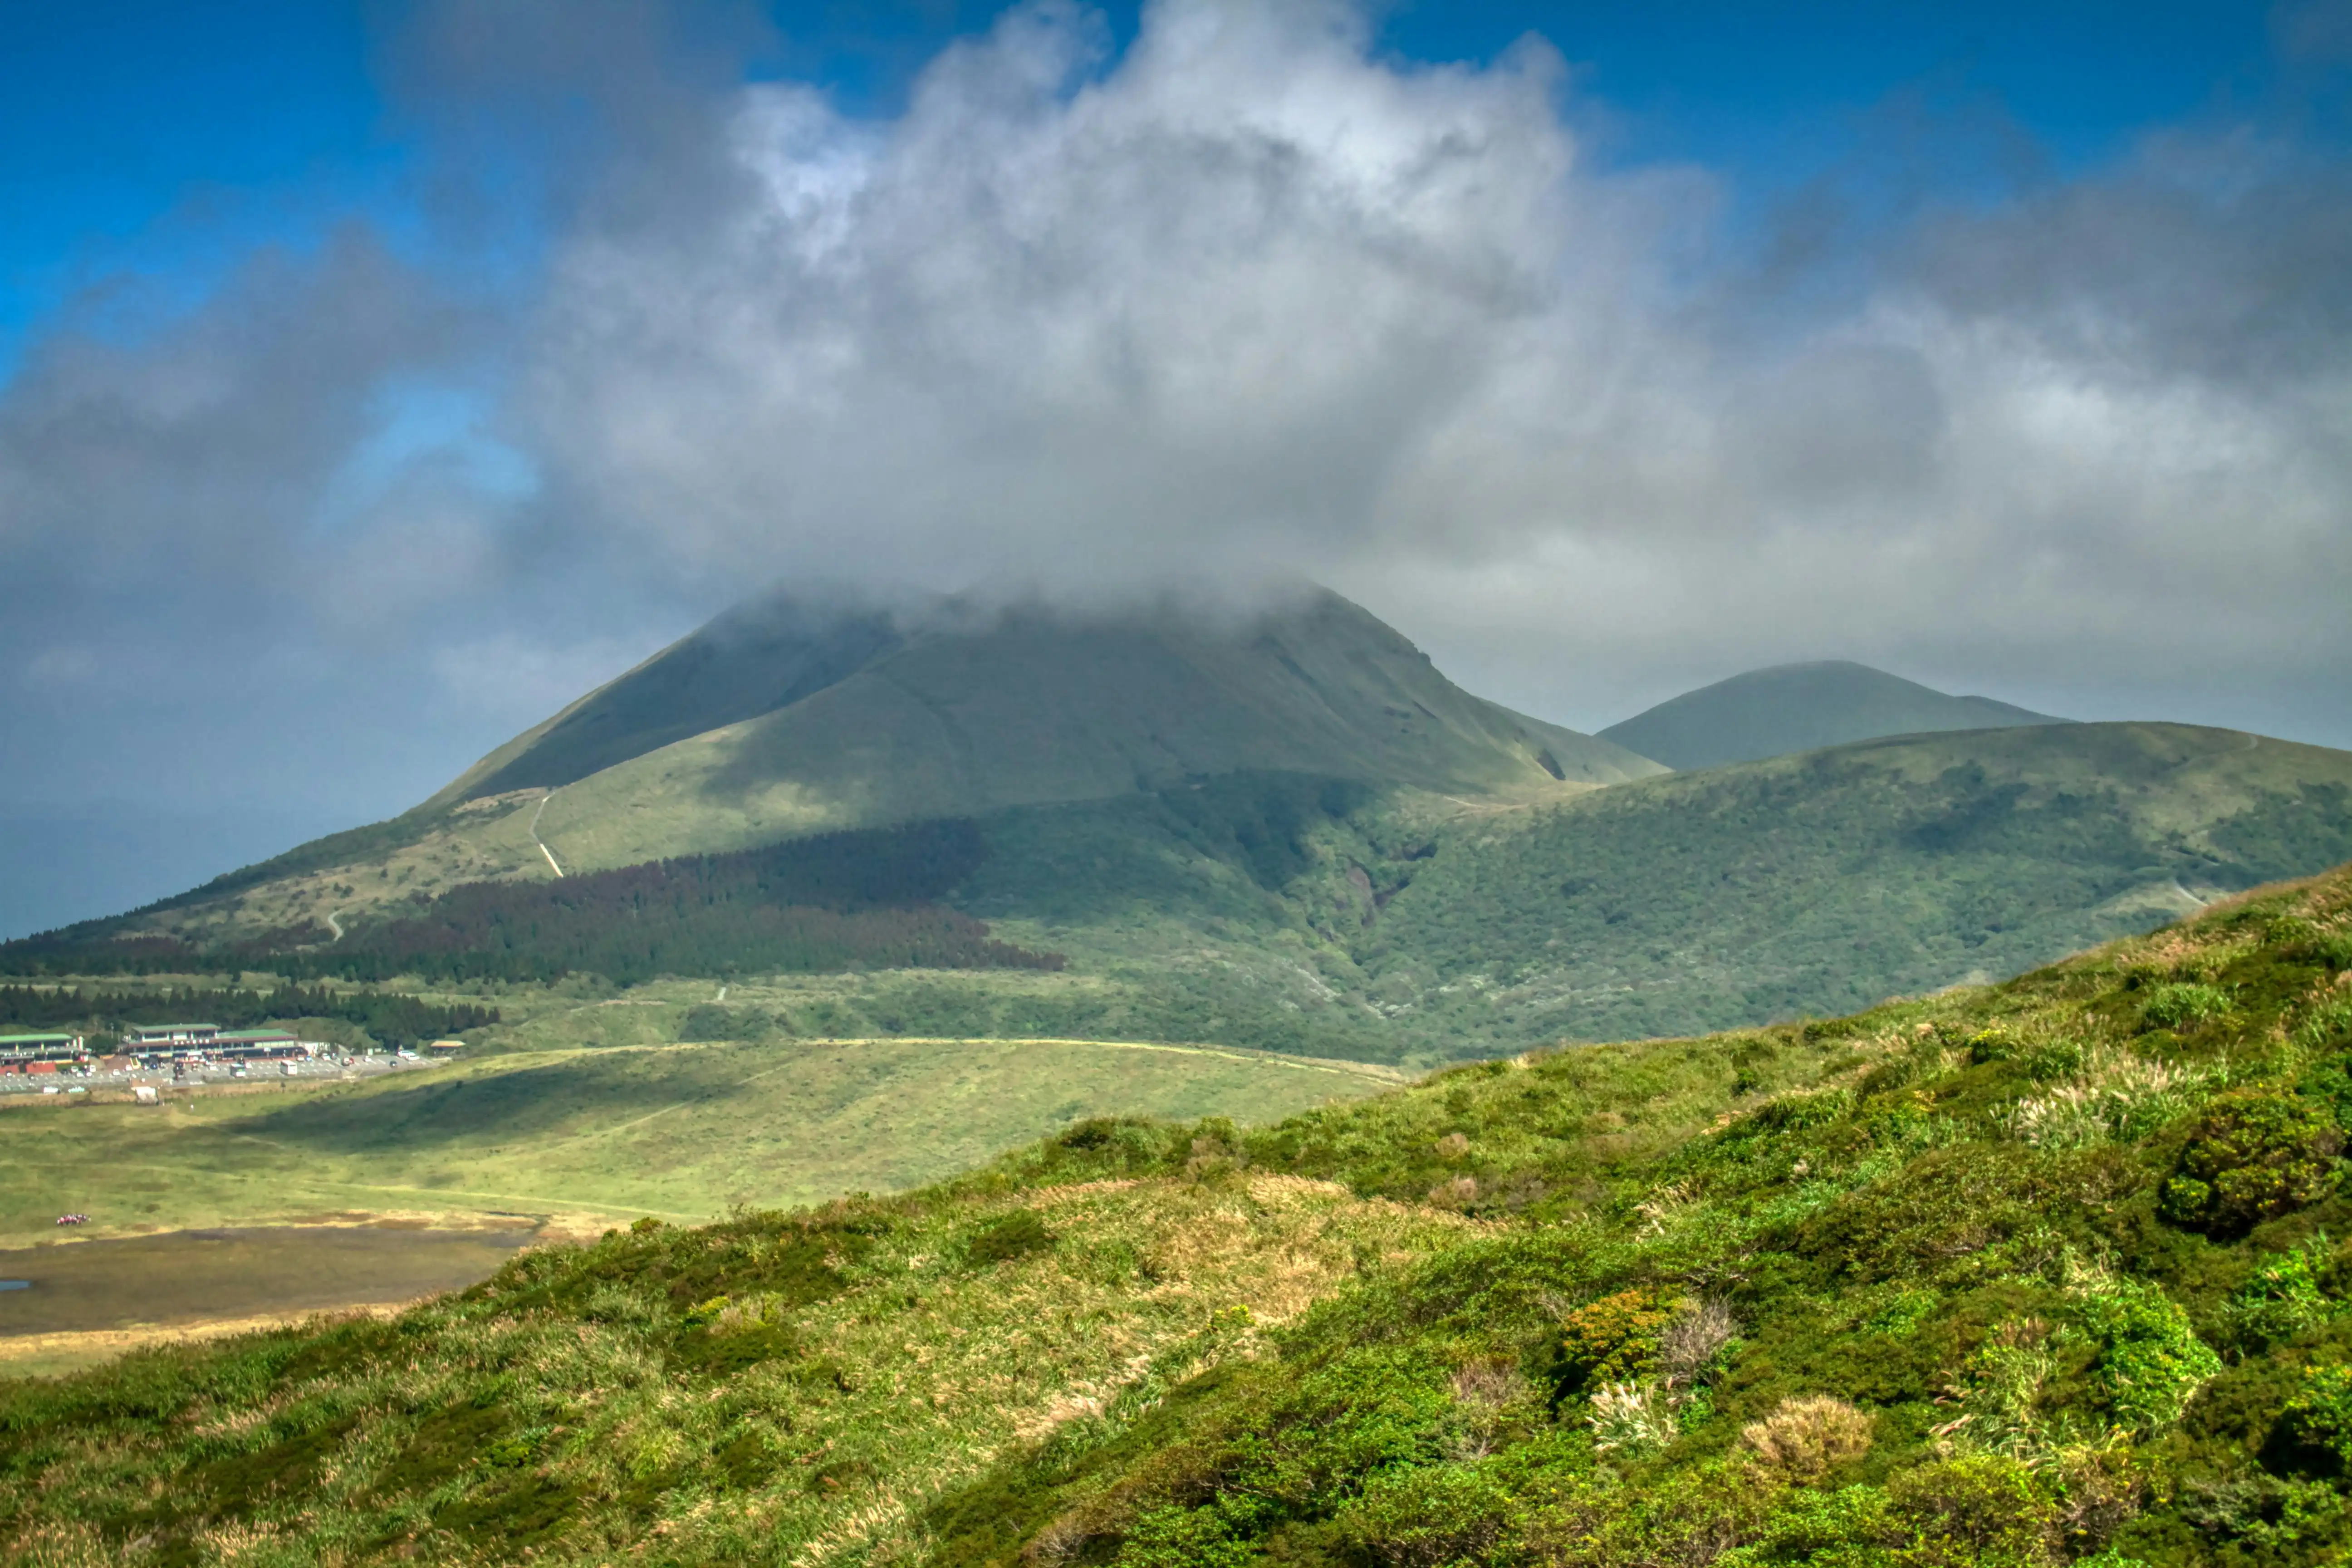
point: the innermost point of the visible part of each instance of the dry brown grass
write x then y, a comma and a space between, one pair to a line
1805, 1436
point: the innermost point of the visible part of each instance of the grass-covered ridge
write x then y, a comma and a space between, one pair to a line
2038, 1273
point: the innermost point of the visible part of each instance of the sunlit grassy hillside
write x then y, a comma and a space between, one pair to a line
2040, 1273
683, 1132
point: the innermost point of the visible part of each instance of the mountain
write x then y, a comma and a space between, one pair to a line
1801, 708
1293, 913
779, 719
1012, 708
2038, 1274
1286, 832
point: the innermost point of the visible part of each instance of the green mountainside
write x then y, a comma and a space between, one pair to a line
1824, 882
1801, 708
1394, 931
2049, 1272
1031, 708
776, 721
1292, 913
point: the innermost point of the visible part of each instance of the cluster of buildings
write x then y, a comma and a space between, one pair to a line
149, 1045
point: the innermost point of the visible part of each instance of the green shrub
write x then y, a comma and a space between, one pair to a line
1684, 1515
1430, 1517
2283, 1298
2253, 1156
1612, 1339
1851, 1525
2053, 1059
1183, 1538
2184, 1005
1794, 1113
1981, 1511
1016, 1234
2321, 1410
1994, 1044
2150, 1360
709, 1021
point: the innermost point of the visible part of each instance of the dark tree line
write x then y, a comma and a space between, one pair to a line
858, 899
392, 1019
840, 900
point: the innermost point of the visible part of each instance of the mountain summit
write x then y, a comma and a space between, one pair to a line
1802, 707
778, 719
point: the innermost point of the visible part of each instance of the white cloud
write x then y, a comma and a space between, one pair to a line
1250, 301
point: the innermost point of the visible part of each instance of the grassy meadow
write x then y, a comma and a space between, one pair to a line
681, 1130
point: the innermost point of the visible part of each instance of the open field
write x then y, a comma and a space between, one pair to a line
681, 1132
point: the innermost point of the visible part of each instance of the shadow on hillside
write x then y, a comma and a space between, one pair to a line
595, 1089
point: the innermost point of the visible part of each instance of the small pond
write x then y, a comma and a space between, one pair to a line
198, 1276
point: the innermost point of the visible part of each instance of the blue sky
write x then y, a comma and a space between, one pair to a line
438, 359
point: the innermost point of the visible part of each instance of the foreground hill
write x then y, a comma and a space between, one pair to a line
2030, 1275
1801, 708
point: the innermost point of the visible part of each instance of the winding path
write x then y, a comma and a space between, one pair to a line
540, 842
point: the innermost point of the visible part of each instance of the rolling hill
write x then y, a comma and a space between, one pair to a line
1824, 882
1801, 708
2013, 1277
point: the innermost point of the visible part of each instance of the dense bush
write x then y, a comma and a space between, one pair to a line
2254, 1155
1613, 1340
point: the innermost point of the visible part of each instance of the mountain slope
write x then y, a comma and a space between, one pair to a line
1822, 882
778, 721
756, 657
1030, 708
1297, 913
1801, 708
1952, 1282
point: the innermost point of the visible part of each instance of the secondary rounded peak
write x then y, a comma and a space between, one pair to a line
1802, 707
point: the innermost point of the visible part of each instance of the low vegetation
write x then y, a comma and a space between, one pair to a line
2053, 1271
